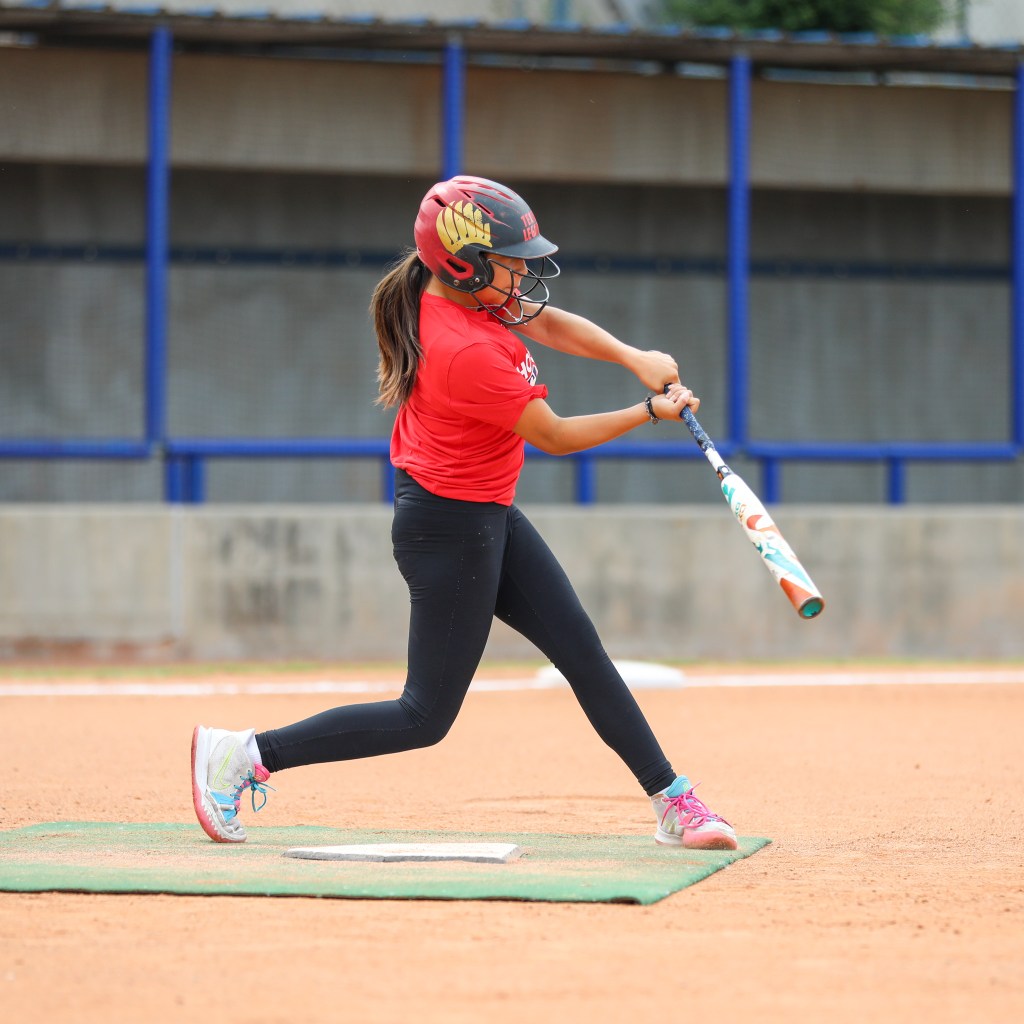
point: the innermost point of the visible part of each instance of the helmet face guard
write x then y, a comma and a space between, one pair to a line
464, 222
519, 305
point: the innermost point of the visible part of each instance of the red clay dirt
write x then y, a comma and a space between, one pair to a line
893, 891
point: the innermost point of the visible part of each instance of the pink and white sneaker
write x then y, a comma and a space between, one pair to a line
222, 771
684, 820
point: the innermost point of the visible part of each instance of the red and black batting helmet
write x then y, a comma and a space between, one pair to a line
463, 221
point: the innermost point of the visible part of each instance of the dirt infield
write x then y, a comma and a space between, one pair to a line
893, 890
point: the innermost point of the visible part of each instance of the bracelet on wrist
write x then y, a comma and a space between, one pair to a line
649, 406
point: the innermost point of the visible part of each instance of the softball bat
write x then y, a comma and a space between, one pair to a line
760, 528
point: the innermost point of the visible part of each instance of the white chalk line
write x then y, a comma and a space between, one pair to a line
923, 677
253, 687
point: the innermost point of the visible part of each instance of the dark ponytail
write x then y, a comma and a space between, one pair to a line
395, 308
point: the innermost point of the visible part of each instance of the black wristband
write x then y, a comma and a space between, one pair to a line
649, 405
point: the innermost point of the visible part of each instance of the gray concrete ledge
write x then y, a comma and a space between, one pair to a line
291, 582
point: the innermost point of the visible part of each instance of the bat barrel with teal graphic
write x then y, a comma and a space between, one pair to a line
760, 528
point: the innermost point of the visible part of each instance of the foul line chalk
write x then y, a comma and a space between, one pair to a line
656, 677
154, 688
897, 677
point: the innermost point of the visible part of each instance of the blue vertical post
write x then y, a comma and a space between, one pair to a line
738, 257
453, 107
586, 479
195, 468
157, 177
1017, 263
897, 483
174, 482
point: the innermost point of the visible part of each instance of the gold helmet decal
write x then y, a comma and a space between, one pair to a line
462, 224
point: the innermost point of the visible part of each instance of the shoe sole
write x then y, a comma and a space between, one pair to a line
201, 755
700, 841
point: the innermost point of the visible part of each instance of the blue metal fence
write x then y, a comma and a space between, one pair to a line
185, 459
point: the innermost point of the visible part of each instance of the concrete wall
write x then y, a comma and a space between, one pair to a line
278, 351
352, 118
309, 155
669, 583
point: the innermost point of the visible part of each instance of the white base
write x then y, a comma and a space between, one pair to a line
636, 674
481, 853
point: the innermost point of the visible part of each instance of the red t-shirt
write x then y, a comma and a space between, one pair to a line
454, 434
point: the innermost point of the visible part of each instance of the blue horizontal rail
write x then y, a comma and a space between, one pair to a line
893, 455
185, 459
35, 448
340, 447
185, 464
277, 447
840, 451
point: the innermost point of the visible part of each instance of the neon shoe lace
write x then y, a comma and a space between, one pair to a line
254, 785
691, 811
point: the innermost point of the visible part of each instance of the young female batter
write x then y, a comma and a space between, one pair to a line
468, 399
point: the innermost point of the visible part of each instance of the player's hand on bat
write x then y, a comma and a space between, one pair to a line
669, 406
655, 369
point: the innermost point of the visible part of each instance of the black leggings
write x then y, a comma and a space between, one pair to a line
465, 562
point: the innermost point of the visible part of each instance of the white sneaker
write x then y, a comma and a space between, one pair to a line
684, 820
221, 772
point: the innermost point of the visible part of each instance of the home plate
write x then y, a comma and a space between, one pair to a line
480, 853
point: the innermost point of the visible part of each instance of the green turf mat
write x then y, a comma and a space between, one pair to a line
109, 857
